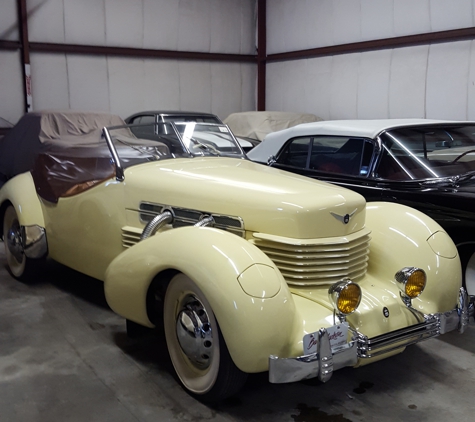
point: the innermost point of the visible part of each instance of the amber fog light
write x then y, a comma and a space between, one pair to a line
411, 281
345, 296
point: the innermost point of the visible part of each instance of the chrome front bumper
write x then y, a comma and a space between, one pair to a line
324, 361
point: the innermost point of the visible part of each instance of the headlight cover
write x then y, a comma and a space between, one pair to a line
411, 281
345, 296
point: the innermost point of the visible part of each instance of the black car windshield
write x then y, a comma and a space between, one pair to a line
138, 143
423, 152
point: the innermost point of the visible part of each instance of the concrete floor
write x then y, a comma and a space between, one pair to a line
64, 356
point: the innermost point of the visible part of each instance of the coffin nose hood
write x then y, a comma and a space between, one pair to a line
268, 200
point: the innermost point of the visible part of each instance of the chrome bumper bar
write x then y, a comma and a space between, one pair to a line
324, 361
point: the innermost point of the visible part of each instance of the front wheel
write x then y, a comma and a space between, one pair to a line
197, 349
21, 267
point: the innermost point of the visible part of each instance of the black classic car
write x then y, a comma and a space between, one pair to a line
426, 164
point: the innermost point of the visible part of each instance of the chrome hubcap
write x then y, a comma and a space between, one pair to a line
194, 333
14, 242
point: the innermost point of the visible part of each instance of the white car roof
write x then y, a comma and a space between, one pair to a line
359, 128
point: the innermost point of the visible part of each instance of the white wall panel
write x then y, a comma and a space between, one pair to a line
11, 86
447, 80
124, 23
219, 26
276, 28
411, 17
248, 88
344, 87
346, 21
407, 86
226, 85
126, 85
9, 21
195, 85
452, 14
294, 92
318, 89
373, 84
194, 33
350, 21
377, 19
471, 85
160, 25
84, 22
88, 83
320, 15
49, 81
161, 86
46, 20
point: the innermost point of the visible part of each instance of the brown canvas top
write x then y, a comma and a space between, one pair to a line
43, 131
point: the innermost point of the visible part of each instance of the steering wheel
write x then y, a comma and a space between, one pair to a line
462, 155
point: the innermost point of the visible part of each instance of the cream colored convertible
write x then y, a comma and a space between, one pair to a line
248, 268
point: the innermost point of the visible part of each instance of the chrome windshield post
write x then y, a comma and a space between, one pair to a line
119, 170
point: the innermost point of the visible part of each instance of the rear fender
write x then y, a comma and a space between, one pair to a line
247, 293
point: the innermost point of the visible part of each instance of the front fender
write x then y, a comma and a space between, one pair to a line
21, 192
248, 294
403, 237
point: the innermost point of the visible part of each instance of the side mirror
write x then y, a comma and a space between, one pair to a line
271, 160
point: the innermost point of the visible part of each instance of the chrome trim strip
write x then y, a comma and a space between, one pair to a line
34, 242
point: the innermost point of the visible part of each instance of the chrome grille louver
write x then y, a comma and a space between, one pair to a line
306, 262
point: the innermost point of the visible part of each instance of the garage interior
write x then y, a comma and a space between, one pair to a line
64, 355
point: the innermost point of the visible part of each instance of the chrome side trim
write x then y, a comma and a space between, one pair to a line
189, 217
34, 242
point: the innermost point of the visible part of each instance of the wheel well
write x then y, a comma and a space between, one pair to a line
466, 249
156, 294
3, 208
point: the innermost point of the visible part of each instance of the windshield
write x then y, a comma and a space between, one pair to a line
423, 152
138, 143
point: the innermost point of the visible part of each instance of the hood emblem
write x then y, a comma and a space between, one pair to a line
345, 219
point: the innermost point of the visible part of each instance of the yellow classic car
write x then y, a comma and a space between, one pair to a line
248, 268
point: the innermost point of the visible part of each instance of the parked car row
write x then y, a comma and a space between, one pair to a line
248, 268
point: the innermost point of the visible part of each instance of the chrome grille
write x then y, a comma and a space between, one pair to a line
315, 262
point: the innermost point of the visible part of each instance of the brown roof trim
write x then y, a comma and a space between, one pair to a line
137, 52
381, 44
9, 45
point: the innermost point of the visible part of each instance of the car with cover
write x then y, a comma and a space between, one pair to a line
247, 268
425, 164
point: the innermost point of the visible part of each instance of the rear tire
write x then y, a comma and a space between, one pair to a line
196, 347
19, 265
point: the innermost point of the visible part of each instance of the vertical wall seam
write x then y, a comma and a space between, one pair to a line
389, 82
426, 79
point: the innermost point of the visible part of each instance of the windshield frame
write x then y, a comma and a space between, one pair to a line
187, 152
434, 161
